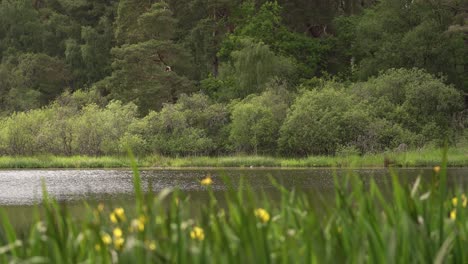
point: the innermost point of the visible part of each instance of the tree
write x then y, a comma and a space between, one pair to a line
32, 80
150, 72
126, 23
398, 34
47, 75
20, 28
204, 25
266, 26
252, 67
95, 51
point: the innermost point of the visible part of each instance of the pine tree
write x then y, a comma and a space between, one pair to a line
152, 71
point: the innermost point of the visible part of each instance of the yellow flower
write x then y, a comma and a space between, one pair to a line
97, 247
464, 200
453, 214
207, 181
100, 207
151, 245
118, 242
113, 218
120, 213
454, 201
197, 233
106, 238
138, 224
262, 214
117, 215
117, 232
437, 169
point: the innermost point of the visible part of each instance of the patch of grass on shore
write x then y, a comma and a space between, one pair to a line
418, 158
458, 157
10, 162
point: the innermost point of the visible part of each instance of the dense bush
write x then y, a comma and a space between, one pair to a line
23, 133
401, 107
414, 100
66, 131
98, 130
320, 121
257, 119
192, 126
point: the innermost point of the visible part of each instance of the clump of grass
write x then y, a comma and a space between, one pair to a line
415, 158
48, 161
362, 223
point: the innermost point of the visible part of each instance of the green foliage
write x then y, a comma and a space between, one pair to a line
32, 80
140, 68
22, 133
253, 66
257, 119
20, 28
142, 78
113, 122
158, 22
42, 73
408, 108
398, 34
126, 23
415, 101
152, 55
266, 26
321, 120
95, 52
69, 126
193, 126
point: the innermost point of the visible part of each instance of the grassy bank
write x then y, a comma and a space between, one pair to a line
457, 157
413, 224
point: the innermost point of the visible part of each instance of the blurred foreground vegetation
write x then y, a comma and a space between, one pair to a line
420, 223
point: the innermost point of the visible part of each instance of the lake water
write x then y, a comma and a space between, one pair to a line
21, 189
24, 187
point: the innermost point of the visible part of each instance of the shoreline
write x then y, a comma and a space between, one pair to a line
457, 157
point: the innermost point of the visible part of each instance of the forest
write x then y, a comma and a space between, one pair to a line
287, 131
222, 77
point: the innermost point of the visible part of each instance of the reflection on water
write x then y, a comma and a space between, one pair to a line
20, 189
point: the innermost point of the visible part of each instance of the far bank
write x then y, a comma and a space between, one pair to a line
457, 157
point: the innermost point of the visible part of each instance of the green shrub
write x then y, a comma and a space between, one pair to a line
321, 120
23, 132
256, 121
414, 100
98, 131
192, 126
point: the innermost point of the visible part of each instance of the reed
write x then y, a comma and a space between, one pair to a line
415, 158
362, 223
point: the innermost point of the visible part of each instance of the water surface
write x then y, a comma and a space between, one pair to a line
24, 187
21, 190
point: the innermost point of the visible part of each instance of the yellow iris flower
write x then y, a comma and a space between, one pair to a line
262, 214
197, 233
207, 181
